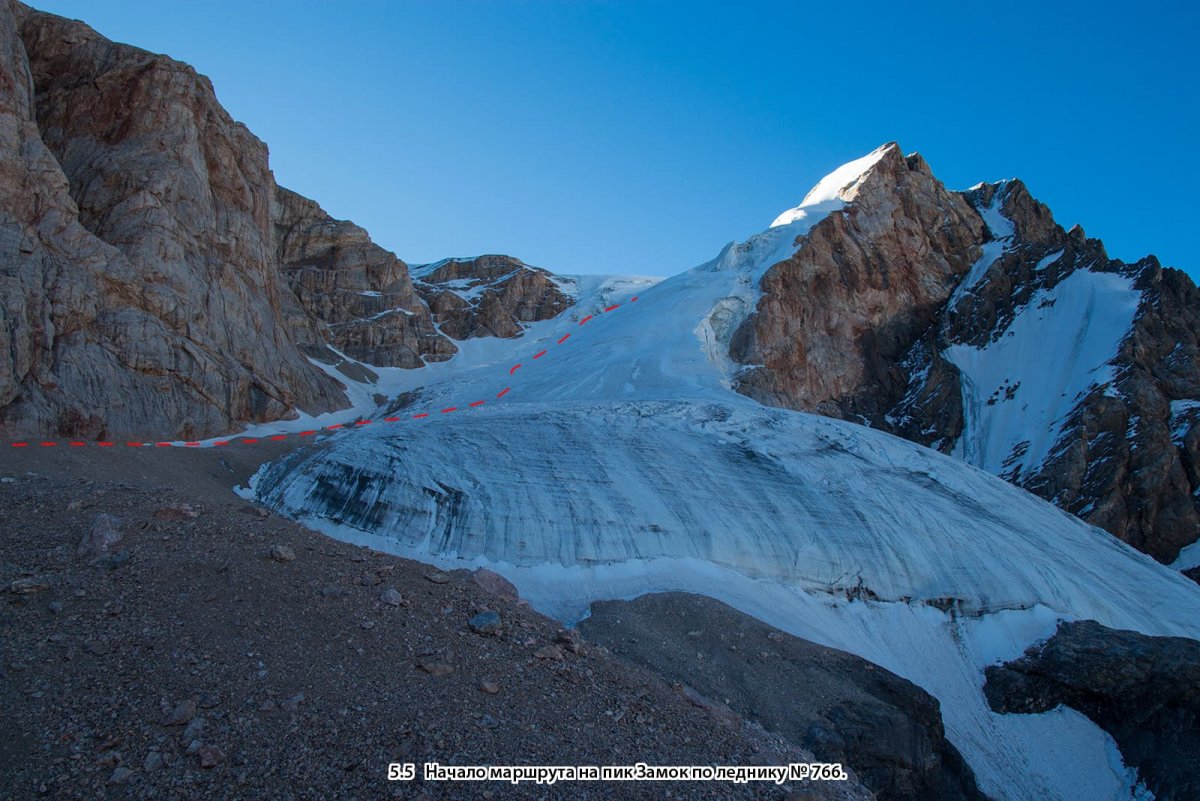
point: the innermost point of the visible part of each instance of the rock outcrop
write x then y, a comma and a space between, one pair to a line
837, 705
890, 299
361, 292
835, 319
1144, 691
489, 296
139, 291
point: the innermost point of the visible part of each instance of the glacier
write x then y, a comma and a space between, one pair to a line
620, 462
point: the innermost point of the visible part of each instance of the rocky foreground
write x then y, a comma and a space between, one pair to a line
199, 647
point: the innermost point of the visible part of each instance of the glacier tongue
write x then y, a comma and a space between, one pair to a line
807, 501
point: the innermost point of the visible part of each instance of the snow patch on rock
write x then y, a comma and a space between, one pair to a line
1019, 389
834, 190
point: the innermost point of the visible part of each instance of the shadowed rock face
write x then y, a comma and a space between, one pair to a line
1144, 691
1124, 459
837, 705
361, 292
857, 324
138, 284
489, 296
155, 281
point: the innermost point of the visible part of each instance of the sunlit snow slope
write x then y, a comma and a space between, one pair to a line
619, 462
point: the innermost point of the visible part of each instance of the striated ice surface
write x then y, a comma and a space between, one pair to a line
808, 501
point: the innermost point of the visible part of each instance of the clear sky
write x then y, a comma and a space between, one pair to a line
640, 137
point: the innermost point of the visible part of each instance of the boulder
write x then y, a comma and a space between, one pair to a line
1144, 691
885, 729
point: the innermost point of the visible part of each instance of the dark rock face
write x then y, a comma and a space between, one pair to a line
361, 292
489, 296
1144, 691
857, 325
138, 289
842, 708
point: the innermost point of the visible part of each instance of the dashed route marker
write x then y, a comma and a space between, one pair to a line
311, 432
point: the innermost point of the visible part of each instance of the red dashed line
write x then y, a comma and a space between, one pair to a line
335, 427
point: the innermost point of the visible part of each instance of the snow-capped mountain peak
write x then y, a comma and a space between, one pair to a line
836, 189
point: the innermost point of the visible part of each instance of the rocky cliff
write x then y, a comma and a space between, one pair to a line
973, 323
155, 282
140, 293
833, 703
361, 292
1120, 449
835, 319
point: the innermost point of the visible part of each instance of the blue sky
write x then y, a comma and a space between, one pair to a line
641, 137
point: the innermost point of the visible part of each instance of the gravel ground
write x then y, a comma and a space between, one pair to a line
220, 651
